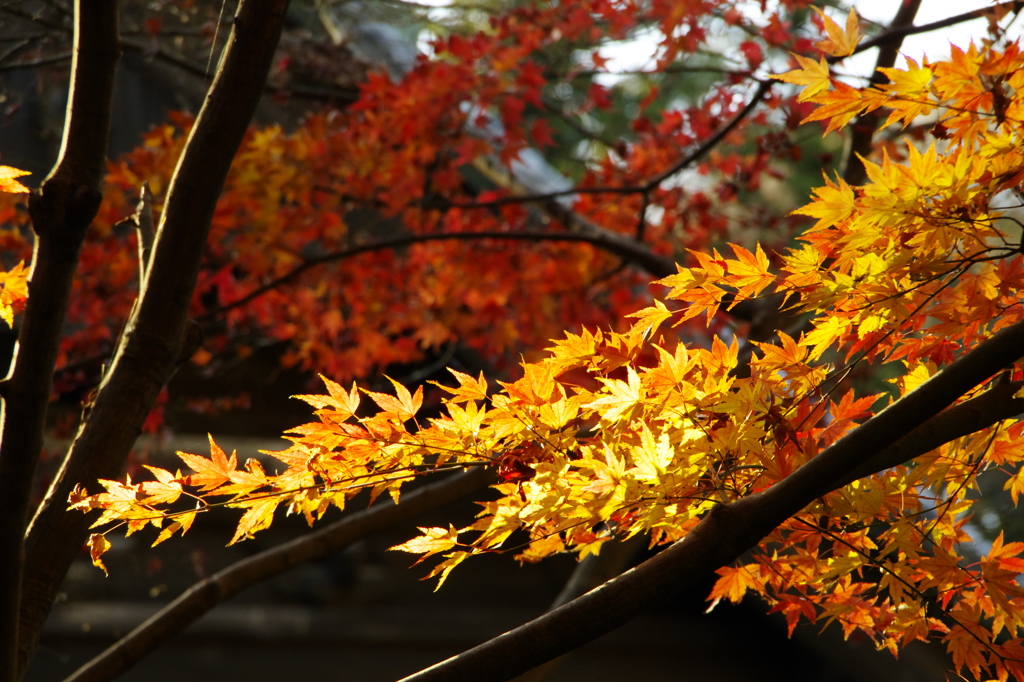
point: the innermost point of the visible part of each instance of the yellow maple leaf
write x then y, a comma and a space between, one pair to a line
259, 514
98, 544
813, 75
166, 489
911, 88
825, 333
432, 541
749, 272
622, 396
8, 182
13, 292
840, 42
833, 203
650, 318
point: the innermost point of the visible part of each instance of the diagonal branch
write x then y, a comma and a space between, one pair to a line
726, 532
910, 30
157, 336
643, 187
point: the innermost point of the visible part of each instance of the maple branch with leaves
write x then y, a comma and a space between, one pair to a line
685, 435
729, 530
209, 592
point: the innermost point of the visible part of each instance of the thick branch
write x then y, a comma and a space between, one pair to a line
727, 531
61, 212
207, 593
962, 419
154, 337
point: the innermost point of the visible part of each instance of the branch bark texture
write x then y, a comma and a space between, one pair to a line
155, 340
61, 211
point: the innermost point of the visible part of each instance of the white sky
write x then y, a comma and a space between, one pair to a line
935, 44
637, 53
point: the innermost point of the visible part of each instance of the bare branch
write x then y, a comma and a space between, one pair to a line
37, 63
727, 531
714, 140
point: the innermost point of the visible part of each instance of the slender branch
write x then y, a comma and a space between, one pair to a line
904, 31
37, 63
158, 334
341, 95
36, 19
61, 212
209, 592
727, 531
711, 142
641, 188
659, 266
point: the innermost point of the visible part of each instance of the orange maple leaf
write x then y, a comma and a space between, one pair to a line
732, 584
813, 75
840, 42
13, 292
212, 472
404, 406
98, 544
